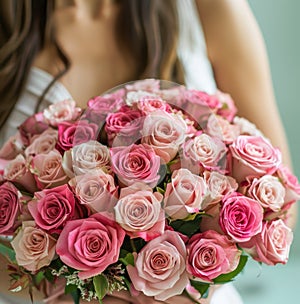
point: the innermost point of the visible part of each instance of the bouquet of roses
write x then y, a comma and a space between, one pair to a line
153, 188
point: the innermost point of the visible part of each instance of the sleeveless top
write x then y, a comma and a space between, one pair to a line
198, 75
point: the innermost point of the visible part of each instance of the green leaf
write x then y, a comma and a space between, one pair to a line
189, 227
201, 287
70, 288
128, 259
101, 286
76, 296
227, 277
7, 252
39, 277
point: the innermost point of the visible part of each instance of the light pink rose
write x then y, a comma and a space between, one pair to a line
34, 247
221, 128
9, 208
227, 108
165, 133
123, 127
12, 147
272, 245
134, 97
90, 245
139, 212
53, 208
184, 194
42, 143
136, 163
85, 157
240, 217
159, 268
71, 134
17, 170
95, 189
268, 191
210, 254
203, 152
33, 125
253, 156
218, 185
150, 104
149, 85
64, 110
246, 127
291, 184
48, 170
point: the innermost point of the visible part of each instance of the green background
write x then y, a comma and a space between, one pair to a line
280, 23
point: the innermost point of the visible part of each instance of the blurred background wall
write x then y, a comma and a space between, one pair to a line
280, 25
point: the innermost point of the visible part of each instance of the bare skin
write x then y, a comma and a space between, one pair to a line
234, 45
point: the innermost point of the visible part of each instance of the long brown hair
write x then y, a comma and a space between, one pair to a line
25, 27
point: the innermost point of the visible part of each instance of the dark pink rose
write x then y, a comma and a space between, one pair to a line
159, 268
272, 245
90, 245
136, 163
253, 156
33, 125
53, 208
74, 133
9, 208
240, 217
211, 254
123, 127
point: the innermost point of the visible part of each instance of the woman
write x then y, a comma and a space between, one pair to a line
78, 48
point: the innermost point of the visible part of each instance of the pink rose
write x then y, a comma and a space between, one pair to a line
95, 189
268, 191
272, 245
75, 133
203, 152
227, 107
291, 184
246, 127
150, 104
199, 105
99, 106
64, 110
53, 208
165, 133
12, 147
240, 217
9, 208
253, 156
221, 128
211, 254
184, 194
136, 163
159, 268
48, 170
90, 245
85, 157
42, 143
123, 126
17, 170
139, 212
34, 247
218, 185
33, 125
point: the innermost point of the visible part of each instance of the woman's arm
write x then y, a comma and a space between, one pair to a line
238, 55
